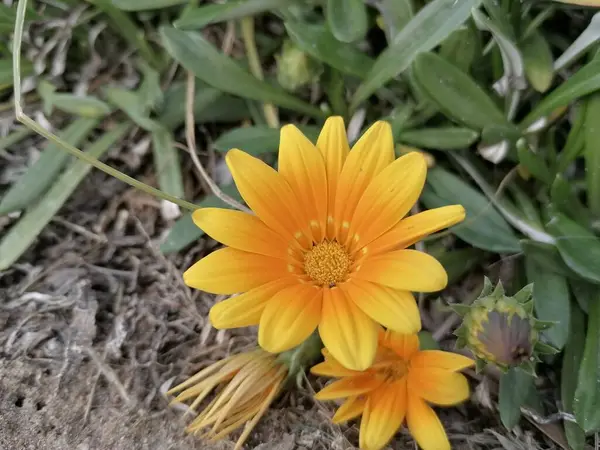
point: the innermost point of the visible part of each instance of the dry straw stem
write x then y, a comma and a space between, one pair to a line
190, 137
74, 151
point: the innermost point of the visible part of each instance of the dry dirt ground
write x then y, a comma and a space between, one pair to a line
95, 323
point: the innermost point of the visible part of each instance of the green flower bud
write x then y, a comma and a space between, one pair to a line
502, 330
295, 68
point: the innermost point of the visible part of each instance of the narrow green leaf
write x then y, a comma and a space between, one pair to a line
210, 105
458, 263
585, 81
184, 231
24, 232
84, 106
566, 200
200, 16
533, 162
579, 247
197, 55
547, 257
6, 69
483, 227
150, 90
166, 163
591, 152
584, 41
461, 47
575, 140
347, 19
537, 57
317, 41
43, 172
132, 105
551, 300
395, 15
587, 393
257, 140
585, 293
526, 205
571, 362
455, 93
515, 385
443, 138
16, 136
145, 5
427, 29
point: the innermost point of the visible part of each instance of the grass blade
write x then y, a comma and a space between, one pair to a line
166, 163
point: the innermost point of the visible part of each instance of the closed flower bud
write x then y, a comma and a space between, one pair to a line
295, 68
502, 330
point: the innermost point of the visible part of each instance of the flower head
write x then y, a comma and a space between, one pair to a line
246, 383
327, 247
502, 330
399, 386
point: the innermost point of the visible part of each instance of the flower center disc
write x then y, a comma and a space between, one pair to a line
395, 371
327, 263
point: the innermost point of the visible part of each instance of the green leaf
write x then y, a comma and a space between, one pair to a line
427, 29
347, 19
584, 41
210, 105
591, 152
575, 140
571, 362
42, 173
587, 393
579, 247
457, 263
84, 106
197, 55
456, 93
184, 231
551, 300
200, 16
395, 15
533, 162
547, 257
16, 136
515, 385
584, 292
585, 81
133, 105
20, 237
145, 5
537, 57
443, 138
427, 342
565, 199
461, 47
6, 69
257, 140
166, 163
483, 226
318, 42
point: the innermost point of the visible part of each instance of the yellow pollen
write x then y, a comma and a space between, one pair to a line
395, 371
327, 263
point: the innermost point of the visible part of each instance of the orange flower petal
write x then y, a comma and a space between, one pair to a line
438, 386
405, 270
350, 409
241, 231
388, 198
425, 426
228, 271
244, 310
369, 156
349, 387
290, 317
440, 360
383, 415
414, 228
333, 145
405, 345
347, 332
331, 368
267, 193
303, 167
396, 310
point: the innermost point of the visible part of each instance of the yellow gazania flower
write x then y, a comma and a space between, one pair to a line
247, 384
399, 385
327, 246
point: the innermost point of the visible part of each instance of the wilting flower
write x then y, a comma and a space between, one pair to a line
502, 330
399, 386
246, 383
327, 247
